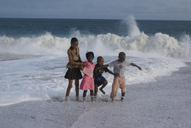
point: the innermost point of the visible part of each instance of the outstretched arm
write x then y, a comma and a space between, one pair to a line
132, 64
115, 74
109, 71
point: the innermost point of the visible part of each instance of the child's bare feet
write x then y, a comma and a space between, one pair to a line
122, 98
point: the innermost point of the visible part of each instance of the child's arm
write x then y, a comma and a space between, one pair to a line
78, 51
101, 67
115, 74
71, 61
111, 64
83, 64
133, 64
109, 71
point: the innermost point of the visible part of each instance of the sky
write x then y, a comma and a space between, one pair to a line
97, 9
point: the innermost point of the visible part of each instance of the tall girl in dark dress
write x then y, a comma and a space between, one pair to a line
74, 65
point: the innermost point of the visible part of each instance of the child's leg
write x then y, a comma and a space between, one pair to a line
69, 88
84, 95
95, 90
103, 86
77, 89
92, 94
123, 88
115, 86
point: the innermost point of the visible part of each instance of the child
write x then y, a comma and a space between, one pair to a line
88, 80
98, 78
119, 66
74, 65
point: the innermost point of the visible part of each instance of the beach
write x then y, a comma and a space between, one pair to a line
164, 103
43, 48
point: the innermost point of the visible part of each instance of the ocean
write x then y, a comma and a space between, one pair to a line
33, 52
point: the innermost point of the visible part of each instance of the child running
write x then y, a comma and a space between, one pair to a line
74, 65
88, 80
119, 66
99, 80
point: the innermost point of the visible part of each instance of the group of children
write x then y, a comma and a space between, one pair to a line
93, 78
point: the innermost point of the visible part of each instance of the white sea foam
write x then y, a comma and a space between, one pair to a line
42, 76
48, 44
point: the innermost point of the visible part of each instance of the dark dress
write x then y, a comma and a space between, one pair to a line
73, 74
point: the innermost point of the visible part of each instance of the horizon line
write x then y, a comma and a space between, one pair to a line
89, 19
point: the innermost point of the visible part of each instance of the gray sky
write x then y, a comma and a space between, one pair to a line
97, 9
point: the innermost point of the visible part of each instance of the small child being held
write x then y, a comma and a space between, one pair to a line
99, 80
88, 80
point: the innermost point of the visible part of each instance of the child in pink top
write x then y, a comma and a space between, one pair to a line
88, 80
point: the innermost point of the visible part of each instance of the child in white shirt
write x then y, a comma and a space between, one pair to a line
119, 67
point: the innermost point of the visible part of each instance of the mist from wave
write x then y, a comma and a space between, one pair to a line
159, 43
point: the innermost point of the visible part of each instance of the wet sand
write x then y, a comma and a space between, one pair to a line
165, 103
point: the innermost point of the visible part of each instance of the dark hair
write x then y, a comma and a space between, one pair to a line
74, 40
122, 54
99, 58
89, 54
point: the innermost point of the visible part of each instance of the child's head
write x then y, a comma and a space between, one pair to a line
90, 56
122, 56
100, 60
74, 42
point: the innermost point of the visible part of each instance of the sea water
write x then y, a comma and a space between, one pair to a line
33, 52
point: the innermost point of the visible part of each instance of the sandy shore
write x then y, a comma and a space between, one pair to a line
165, 103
